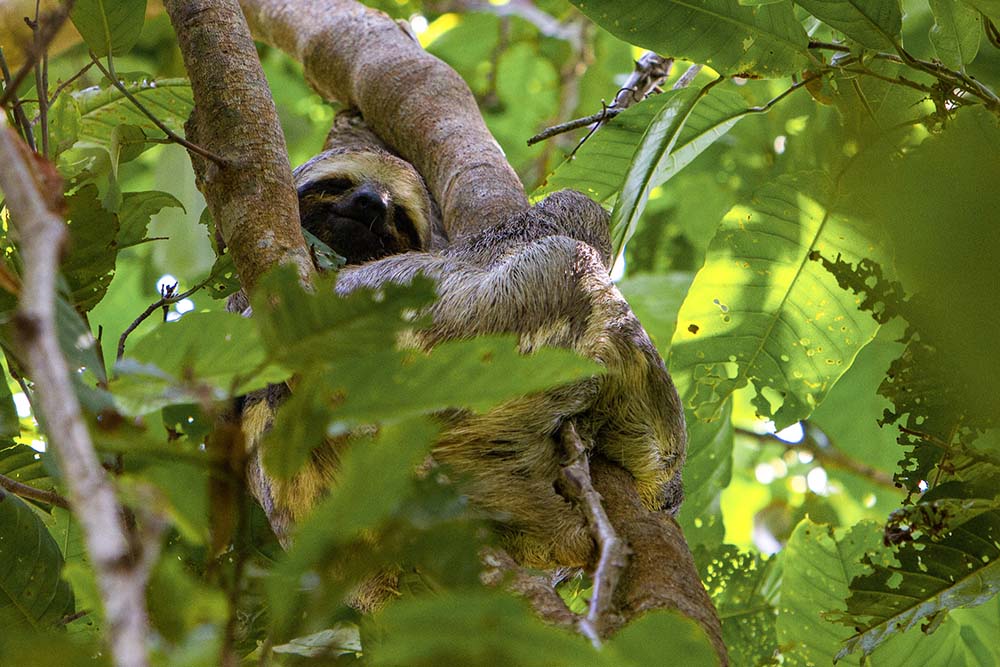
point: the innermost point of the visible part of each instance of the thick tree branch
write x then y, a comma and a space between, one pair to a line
121, 574
412, 100
251, 197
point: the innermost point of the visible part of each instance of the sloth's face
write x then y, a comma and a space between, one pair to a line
364, 205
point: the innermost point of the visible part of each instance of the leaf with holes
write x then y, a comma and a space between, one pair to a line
764, 41
931, 578
761, 311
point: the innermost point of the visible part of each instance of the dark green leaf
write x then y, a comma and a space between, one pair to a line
763, 41
872, 23
932, 577
32, 592
642, 642
90, 263
109, 26
10, 423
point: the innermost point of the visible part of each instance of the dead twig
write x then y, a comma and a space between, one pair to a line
167, 297
32, 493
612, 550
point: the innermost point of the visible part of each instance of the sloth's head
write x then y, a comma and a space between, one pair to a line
364, 203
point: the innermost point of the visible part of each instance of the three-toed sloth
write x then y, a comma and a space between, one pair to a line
542, 275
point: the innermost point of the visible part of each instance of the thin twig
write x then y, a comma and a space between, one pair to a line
167, 297
24, 127
612, 550
65, 84
33, 493
118, 562
575, 124
687, 77
113, 77
992, 32
48, 32
41, 79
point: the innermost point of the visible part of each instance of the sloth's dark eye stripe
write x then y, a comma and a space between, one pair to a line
328, 186
405, 225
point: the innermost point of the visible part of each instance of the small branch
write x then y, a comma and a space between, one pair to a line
109, 72
32, 493
167, 297
48, 30
118, 568
41, 79
535, 588
992, 32
612, 551
68, 82
601, 116
689, 76
24, 127
827, 456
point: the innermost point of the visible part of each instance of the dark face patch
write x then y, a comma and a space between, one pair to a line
358, 221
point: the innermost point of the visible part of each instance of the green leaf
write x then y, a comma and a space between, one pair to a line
956, 32
641, 642
651, 161
178, 362
818, 565
64, 125
103, 109
599, 167
874, 24
372, 482
90, 263
761, 311
991, 8
23, 464
136, 210
480, 629
763, 41
739, 584
655, 300
707, 471
109, 25
32, 592
10, 423
932, 577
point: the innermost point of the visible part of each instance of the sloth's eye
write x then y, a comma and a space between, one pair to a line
328, 186
406, 227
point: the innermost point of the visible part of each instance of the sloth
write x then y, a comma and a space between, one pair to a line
543, 276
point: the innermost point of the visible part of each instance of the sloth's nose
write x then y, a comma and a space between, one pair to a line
366, 203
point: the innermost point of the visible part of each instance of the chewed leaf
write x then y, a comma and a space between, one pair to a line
761, 311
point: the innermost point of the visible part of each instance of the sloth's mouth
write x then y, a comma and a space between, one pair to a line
357, 240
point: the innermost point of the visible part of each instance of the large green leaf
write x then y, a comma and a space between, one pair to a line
90, 263
707, 471
23, 464
599, 167
765, 41
761, 311
741, 584
32, 591
956, 33
102, 109
109, 25
931, 578
818, 565
871, 23
213, 354
136, 210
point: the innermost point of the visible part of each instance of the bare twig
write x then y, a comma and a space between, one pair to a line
32, 493
68, 82
167, 297
687, 77
47, 31
112, 76
41, 79
120, 570
612, 551
24, 127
